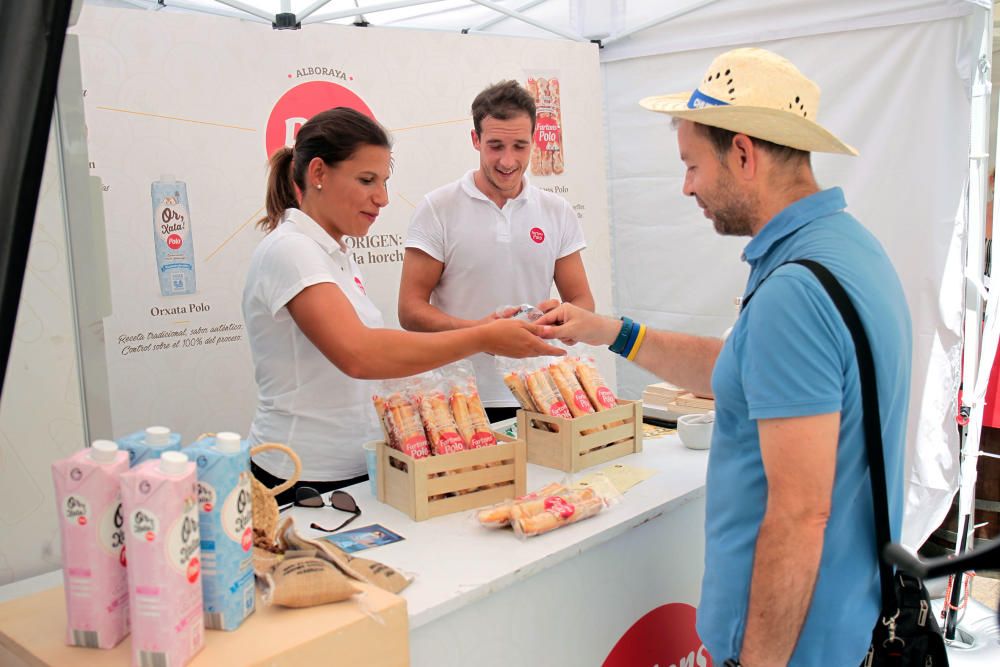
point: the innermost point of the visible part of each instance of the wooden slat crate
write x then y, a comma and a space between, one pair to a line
421, 490
569, 449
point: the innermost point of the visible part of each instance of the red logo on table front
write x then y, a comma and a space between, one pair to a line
664, 636
537, 235
357, 281
174, 241
302, 103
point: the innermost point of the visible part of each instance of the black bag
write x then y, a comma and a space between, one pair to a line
914, 638
906, 633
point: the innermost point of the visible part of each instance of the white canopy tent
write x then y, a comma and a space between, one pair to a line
906, 81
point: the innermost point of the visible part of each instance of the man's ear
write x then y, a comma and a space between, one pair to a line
475, 139
743, 154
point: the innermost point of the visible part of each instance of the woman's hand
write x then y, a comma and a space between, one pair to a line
516, 338
571, 324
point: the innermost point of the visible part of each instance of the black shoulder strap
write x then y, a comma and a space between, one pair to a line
872, 421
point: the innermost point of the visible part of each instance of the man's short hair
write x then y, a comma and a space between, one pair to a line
722, 141
502, 101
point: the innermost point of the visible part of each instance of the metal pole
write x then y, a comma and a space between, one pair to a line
530, 21
497, 19
385, 6
253, 11
308, 11
975, 377
208, 9
663, 19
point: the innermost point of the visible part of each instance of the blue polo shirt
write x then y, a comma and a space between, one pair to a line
790, 355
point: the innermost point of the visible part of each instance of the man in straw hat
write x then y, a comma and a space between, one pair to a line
791, 573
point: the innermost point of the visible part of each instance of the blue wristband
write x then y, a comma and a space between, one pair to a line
623, 336
631, 340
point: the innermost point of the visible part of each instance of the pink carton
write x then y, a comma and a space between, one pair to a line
93, 546
160, 503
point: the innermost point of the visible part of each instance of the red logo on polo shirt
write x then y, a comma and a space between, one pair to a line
664, 636
300, 104
357, 281
537, 235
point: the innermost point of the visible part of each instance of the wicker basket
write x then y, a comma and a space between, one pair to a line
265, 507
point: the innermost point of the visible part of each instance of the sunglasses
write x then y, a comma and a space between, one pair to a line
306, 496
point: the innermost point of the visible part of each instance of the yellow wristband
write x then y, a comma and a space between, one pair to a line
638, 343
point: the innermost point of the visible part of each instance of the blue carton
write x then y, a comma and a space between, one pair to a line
149, 444
225, 517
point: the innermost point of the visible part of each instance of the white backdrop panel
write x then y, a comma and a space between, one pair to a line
898, 95
197, 105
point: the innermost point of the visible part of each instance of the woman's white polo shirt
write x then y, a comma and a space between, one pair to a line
303, 400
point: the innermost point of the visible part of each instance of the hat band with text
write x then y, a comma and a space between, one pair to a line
700, 100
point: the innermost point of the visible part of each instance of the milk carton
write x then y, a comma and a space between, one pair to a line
172, 236
93, 546
159, 500
226, 532
149, 444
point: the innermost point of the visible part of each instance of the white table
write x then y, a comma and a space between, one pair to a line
483, 597
486, 598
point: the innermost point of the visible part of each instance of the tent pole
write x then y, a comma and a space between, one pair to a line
493, 21
981, 340
253, 11
657, 21
530, 21
383, 7
311, 9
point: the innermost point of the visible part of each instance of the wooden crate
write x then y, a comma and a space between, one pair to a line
422, 492
569, 449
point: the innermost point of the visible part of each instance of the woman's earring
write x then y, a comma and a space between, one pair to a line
319, 186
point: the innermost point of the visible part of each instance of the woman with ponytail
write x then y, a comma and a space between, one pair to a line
315, 336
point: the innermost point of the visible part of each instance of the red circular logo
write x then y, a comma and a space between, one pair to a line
150, 536
247, 539
357, 281
193, 570
82, 520
302, 103
207, 507
122, 559
174, 241
647, 643
537, 235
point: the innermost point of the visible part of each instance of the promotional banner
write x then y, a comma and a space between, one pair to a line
182, 114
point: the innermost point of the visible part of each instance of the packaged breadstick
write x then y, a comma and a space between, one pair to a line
601, 397
498, 515
401, 422
439, 423
545, 395
547, 150
565, 506
467, 408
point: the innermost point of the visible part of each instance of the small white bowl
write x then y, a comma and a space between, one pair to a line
695, 431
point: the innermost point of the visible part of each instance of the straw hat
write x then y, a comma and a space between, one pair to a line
757, 93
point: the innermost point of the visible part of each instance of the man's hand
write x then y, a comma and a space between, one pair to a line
504, 314
548, 304
571, 324
514, 338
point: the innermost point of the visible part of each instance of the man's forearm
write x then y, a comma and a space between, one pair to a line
786, 563
585, 301
425, 317
682, 359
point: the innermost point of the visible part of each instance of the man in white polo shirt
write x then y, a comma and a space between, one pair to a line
491, 239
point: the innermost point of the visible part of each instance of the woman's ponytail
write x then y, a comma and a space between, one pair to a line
281, 193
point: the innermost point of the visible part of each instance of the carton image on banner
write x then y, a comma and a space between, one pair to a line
172, 236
